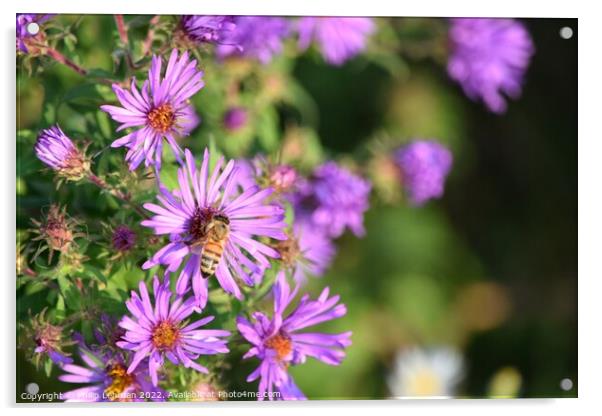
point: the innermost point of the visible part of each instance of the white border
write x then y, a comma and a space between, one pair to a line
590, 206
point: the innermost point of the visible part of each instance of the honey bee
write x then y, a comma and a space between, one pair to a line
216, 236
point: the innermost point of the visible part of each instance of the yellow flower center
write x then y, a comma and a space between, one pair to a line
281, 344
165, 335
121, 380
425, 383
162, 118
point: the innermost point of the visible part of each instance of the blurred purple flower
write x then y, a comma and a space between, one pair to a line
235, 118
256, 37
278, 343
333, 199
23, 20
58, 152
161, 109
209, 29
283, 177
188, 215
306, 251
339, 38
489, 58
164, 331
424, 166
265, 174
108, 379
247, 173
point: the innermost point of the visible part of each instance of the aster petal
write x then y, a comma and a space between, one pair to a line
248, 331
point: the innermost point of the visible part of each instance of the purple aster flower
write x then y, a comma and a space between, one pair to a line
306, 251
108, 380
58, 152
235, 118
23, 20
256, 37
339, 38
123, 238
333, 199
489, 58
209, 29
163, 331
260, 171
424, 165
278, 342
160, 110
211, 227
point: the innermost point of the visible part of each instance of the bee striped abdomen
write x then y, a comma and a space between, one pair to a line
210, 258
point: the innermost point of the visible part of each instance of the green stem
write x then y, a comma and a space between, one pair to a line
102, 184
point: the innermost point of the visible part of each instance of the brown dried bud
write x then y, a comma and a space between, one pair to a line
57, 230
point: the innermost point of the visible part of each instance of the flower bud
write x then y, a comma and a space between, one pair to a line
235, 118
204, 392
123, 238
59, 153
57, 231
47, 340
283, 177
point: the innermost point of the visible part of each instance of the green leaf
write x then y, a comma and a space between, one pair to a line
267, 129
103, 124
95, 272
49, 113
60, 308
48, 367
83, 94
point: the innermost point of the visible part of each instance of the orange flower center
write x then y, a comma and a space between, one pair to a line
121, 380
281, 344
165, 335
162, 118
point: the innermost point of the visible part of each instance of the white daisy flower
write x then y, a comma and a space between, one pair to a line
420, 373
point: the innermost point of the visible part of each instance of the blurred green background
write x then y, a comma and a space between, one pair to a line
490, 269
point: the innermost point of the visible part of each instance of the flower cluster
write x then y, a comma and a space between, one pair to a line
219, 235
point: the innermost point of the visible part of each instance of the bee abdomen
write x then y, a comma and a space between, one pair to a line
210, 258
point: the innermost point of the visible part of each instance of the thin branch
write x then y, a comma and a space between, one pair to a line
59, 57
148, 42
102, 184
122, 29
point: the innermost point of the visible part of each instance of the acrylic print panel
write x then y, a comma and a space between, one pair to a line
282, 208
